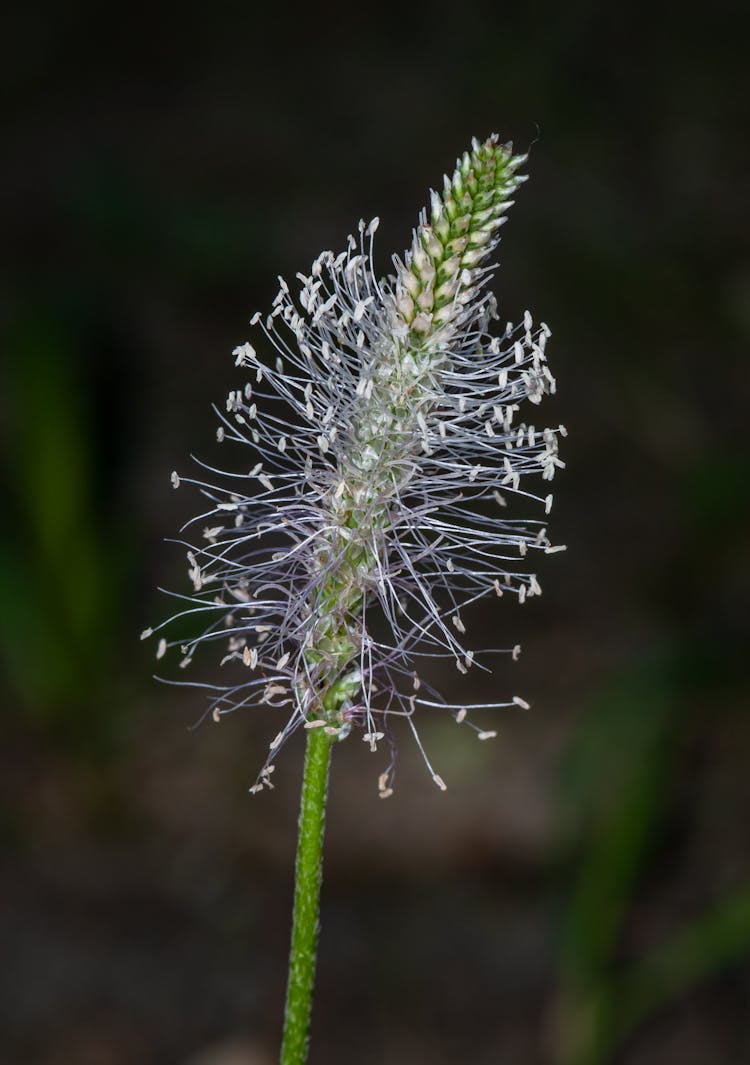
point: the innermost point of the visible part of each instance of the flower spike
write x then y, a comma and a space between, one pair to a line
351, 547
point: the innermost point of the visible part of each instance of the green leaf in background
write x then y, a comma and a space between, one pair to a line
58, 567
614, 780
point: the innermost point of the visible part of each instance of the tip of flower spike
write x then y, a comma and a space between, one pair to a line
438, 286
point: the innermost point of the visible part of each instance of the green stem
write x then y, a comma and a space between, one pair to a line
308, 874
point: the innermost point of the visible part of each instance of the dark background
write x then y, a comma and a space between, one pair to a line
581, 894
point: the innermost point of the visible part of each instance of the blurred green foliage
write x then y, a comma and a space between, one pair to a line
615, 785
60, 560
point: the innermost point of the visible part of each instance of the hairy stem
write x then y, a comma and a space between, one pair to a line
308, 874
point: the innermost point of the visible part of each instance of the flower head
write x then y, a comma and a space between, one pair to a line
358, 533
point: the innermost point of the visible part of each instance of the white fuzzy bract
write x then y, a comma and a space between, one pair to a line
388, 448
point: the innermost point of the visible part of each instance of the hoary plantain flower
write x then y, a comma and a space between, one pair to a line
385, 445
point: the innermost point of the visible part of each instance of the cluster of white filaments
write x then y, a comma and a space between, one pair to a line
387, 456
